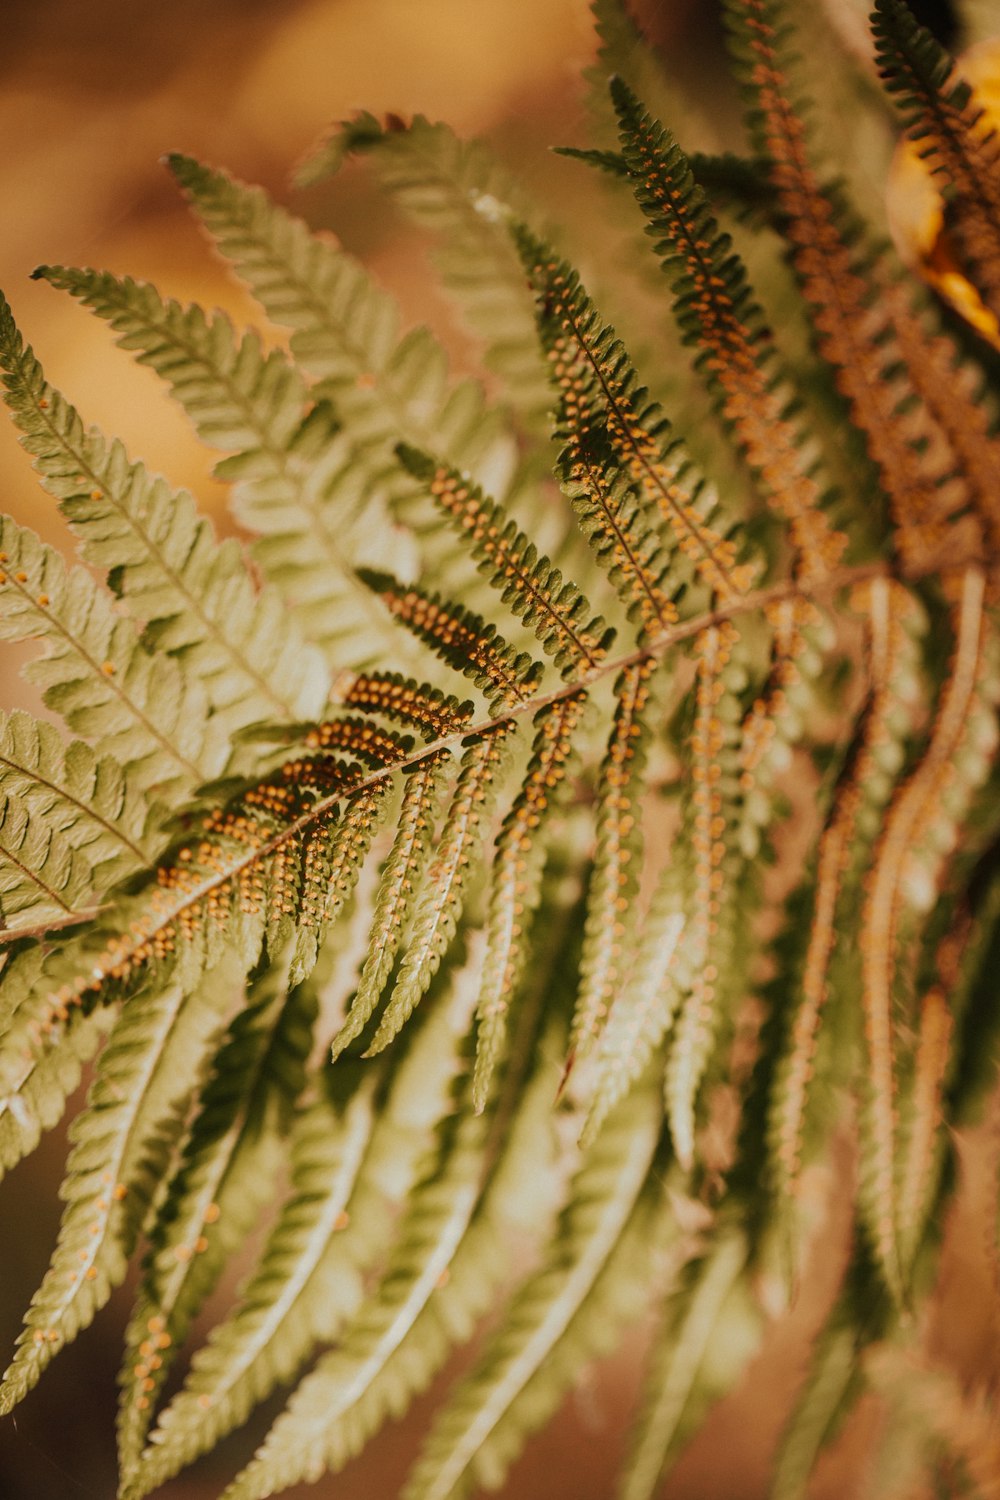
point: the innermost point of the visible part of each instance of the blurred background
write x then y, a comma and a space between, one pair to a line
91, 96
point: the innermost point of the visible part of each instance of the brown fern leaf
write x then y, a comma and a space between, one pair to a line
955, 138
851, 328
886, 607
716, 313
912, 809
432, 713
607, 421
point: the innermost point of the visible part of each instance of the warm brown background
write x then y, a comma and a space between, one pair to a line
92, 92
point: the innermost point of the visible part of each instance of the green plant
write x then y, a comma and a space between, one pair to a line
563, 900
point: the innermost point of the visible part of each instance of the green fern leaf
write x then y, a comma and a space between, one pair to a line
165, 561
529, 585
41, 1059
711, 932
345, 329
715, 311
318, 1431
294, 476
483, 1427
121, 1144
712, 1331
86, 800
42, 876
619, 465
644, 1010
352, 1164
516, 880
461, 639
402, 877
225, 1175
614, 879
438, 910
458, 191
97, 675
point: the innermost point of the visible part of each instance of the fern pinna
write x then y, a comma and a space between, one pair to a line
579, 958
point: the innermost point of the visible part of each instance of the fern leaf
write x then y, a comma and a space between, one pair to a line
402, 878
715, 311
715, 1313
458, 191
122, 1139
41, 1057
165, 561
461, 639
439, 907
563, 1308
432, 713
619, 462
318, 1431
953, 137
344, 329
86, 800
644, 1010
715, 788
890, 652
830, 1390
298, 1291
293, 475
347, 1179
840, 286
917, 1175
914, 806
219, 1187
614, 880
529, 585
42, 876
97, 675
516, 881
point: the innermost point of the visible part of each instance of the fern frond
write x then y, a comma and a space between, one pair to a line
194, 593
644, 1010
915, 807
923, 1107
86, 800
41, 1057
716, 312
890, 653
402, 877
831, 1387
294, 477
458, 191
529, 585
353, 1388
345, 330
121, 1142
353, 1163
516, 880
709, 939
619, 463
462, 640
953, 138
219, 1187
96, 673
614, 879
841, 287
42, 876
438, 909
519, 1376
432, 713
714, 1312
300, 1290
